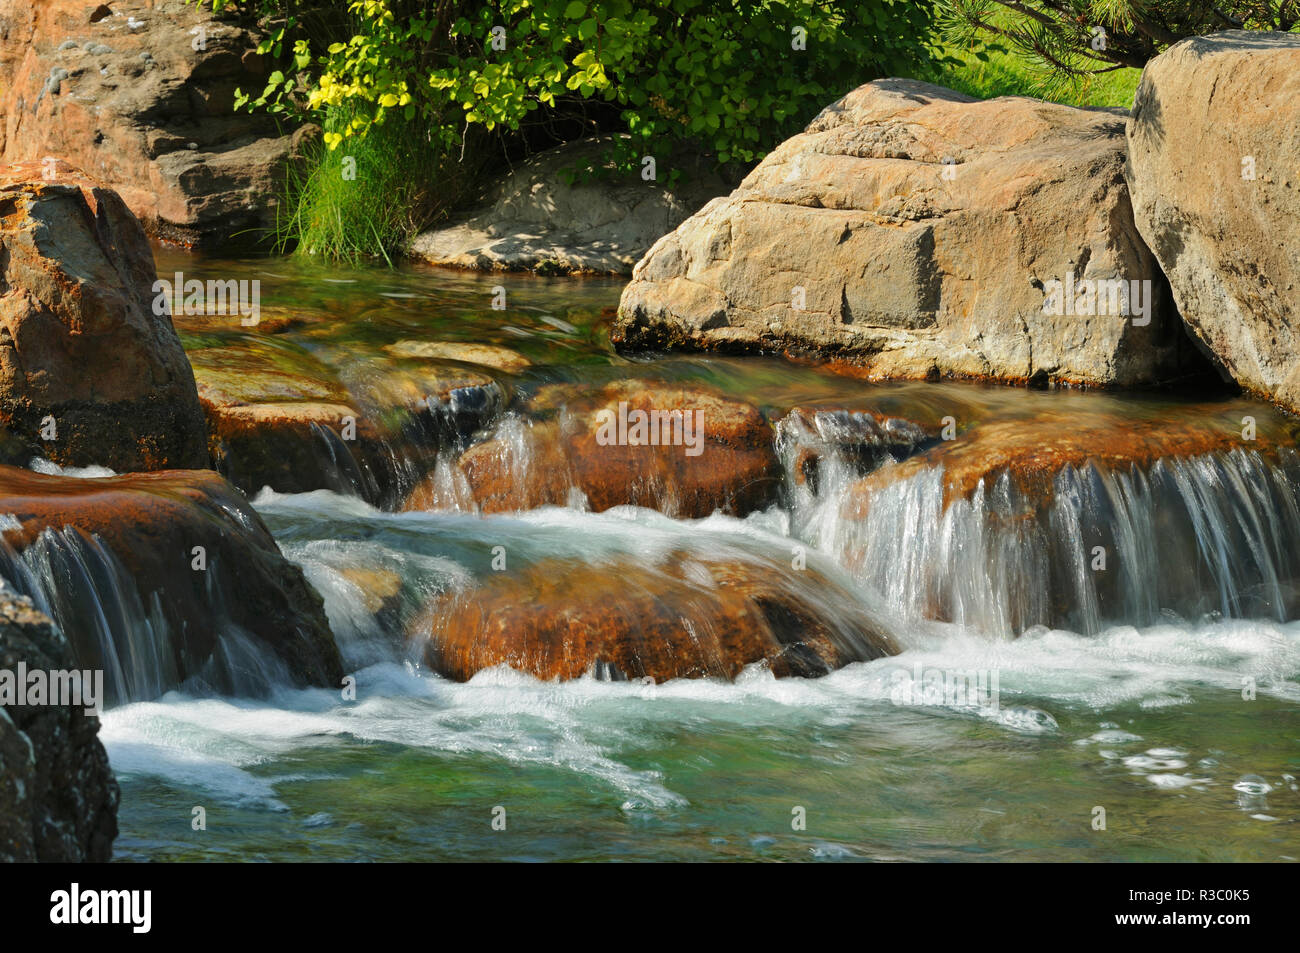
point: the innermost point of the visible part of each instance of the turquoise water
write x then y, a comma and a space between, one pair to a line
1149, 724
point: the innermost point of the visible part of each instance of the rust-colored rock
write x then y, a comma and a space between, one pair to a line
151, 523
561, 447
1031, 452
87, 368
684, 617
147, 108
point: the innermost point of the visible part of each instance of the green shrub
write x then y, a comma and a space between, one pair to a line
737, 77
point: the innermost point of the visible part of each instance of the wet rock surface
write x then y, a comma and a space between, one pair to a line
702, 453
87, 370
58, 796
1078, 521
279, 417
1030, 453
686, 616
808, 439
180, 548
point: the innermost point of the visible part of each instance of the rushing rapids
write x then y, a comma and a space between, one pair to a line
526, 609
998, 511
163, 578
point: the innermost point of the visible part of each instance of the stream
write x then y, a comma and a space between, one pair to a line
1165, 694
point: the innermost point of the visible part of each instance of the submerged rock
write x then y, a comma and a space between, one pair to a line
148, 112
1216, 194
810, 438
275, 418
702, 453
293, 447
280, 417
538, 217
488, 355
679, 617
58, 797
918, 232
433, 404
161, 577
87, 369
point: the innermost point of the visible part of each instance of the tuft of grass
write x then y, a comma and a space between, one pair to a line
369, 197
1003, 73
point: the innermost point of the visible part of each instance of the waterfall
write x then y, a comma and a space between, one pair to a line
1192, 536
93, 599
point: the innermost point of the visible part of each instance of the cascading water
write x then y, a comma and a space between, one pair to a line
1193, 604
91, 596
1205, 534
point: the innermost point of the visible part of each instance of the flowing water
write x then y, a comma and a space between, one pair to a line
1165, 693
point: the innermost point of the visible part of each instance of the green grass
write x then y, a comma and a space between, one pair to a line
366, 199
1007, 74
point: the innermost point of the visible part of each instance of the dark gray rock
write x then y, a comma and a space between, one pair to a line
58, 797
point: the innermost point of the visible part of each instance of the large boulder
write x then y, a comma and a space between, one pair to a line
919, 233
87, 368
121, 91
552, 214
161, 577
1213, 141
684, 616
58, 797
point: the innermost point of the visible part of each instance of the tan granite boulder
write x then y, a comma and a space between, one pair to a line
920, 233
1214, 169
